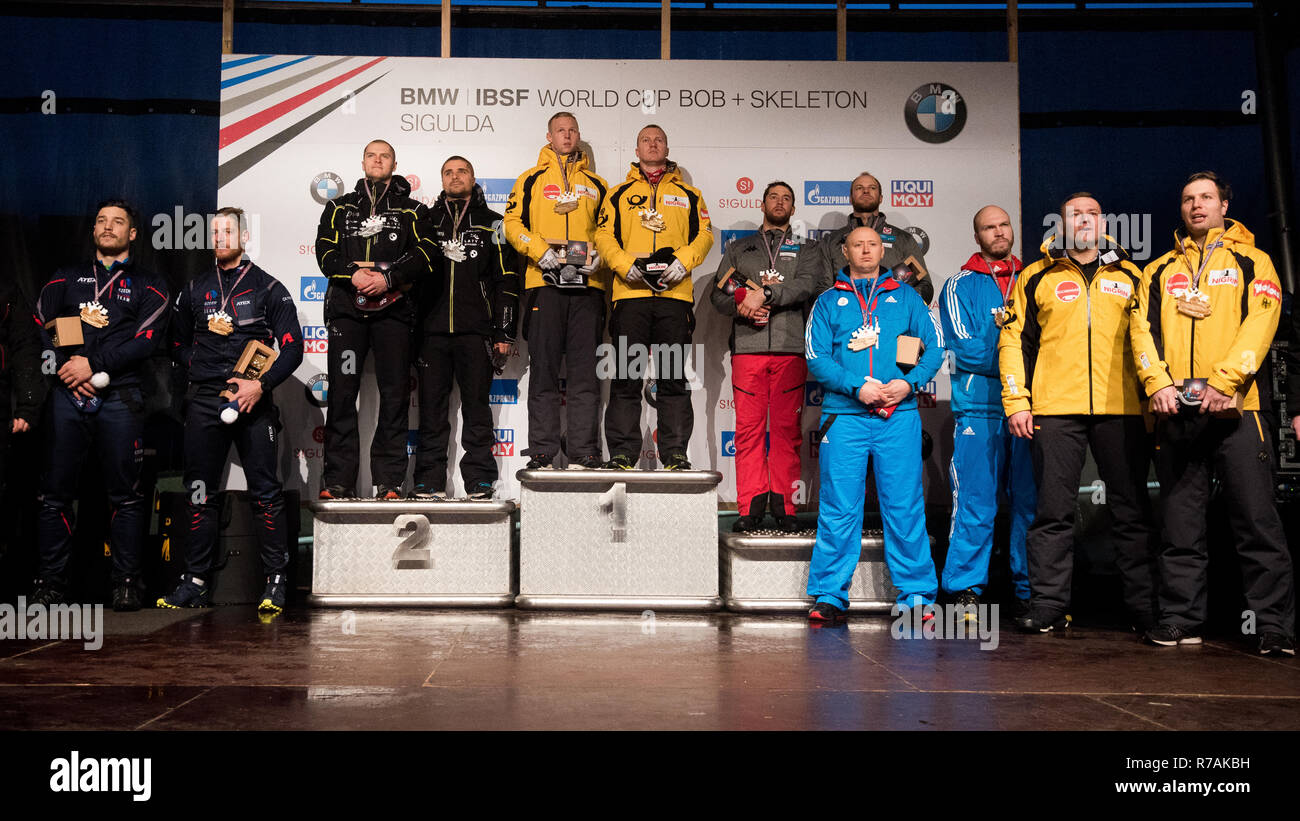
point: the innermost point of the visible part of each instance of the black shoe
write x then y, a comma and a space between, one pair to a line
273, 597
46, 594
967, 603
786, 523
191, 592
620, 462
1019, 607
1039, 623
825, 613
745, 524
586, 463
539, 461
126, 596
1170, 635
1276, 644
677, 461
425, 493
480, 492
387, 492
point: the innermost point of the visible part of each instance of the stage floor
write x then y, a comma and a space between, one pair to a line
223, 669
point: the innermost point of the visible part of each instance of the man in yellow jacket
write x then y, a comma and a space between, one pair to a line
653, 231
1212, 306
550, 220
1068, 382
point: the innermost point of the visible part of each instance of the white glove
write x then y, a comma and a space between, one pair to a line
592, 266
675, 273
633, 275
549, 260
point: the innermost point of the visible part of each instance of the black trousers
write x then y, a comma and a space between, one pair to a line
1189, 451
110, 441
563, 326
390, 334
663, 328
465, 358
1119, 445
207, 449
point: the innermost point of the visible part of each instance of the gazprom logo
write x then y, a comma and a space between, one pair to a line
504, 392
313, 289
496, 190
729, 237
812, 394
728, 443
826, 192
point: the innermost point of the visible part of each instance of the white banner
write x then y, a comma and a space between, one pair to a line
941, 137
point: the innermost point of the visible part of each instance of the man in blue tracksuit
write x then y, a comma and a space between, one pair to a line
869, 412
986, 459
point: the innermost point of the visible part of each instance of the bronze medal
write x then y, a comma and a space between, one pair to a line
568, 201
1193, 303
94, 314
652, 220
219, 323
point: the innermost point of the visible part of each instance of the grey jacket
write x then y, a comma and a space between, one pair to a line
784, 331
824, 260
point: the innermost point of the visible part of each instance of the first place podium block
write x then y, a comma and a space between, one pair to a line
766, 571
416, 553
618, 540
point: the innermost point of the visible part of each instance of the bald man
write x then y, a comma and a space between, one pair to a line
987, 461
869, 414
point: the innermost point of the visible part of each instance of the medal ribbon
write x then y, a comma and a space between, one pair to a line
867, 314
1205, 260
455, 218
98, 290
772, 254
243, 269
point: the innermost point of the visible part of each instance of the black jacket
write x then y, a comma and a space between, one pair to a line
136, 302
405, 241
260, 308
481, 294
825, 259
20, 358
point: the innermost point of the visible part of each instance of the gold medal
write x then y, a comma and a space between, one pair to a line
1193, 302
568, 201
219, 323
770, 277
862, 339
94, 314
652, 220
1001, 316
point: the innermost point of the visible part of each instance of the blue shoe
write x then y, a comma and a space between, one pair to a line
191, 592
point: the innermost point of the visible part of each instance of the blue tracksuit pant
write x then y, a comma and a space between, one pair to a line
987, 461
893, 447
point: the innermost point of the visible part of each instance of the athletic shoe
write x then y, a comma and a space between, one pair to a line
968, 603
273, 596
677, 461
1170, 635
787, 524
620, 462
1038, 623
745, 524
825, 613
539, 461
191, 592
427, 494
1276, 644
335, 492
586, 463
46, 594
480, 492
126, 596
387, 492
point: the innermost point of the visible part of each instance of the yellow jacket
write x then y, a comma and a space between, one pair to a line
1066, 347
530, 218
622, 240
1228, 346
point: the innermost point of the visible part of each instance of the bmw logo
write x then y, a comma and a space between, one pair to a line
921, 237
325, 186
318, 390
935, 113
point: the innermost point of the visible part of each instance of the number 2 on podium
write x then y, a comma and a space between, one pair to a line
412, 551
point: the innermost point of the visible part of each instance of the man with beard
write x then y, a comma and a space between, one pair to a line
554, 205
1068, 383
824, 260
653, 230
987, 461
216, 316
467, 322
97, 409
373, 244
768, 370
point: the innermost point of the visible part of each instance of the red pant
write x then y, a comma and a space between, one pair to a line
763, 384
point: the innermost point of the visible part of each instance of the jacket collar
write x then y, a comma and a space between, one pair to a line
397, 186
844, 282
1109, 252
671, 173
477, 200
1011, 265
1231, 232
577, 159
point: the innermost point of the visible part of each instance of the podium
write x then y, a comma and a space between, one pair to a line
618, 540
767, 571
393, 553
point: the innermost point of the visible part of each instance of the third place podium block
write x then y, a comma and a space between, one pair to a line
619, 540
